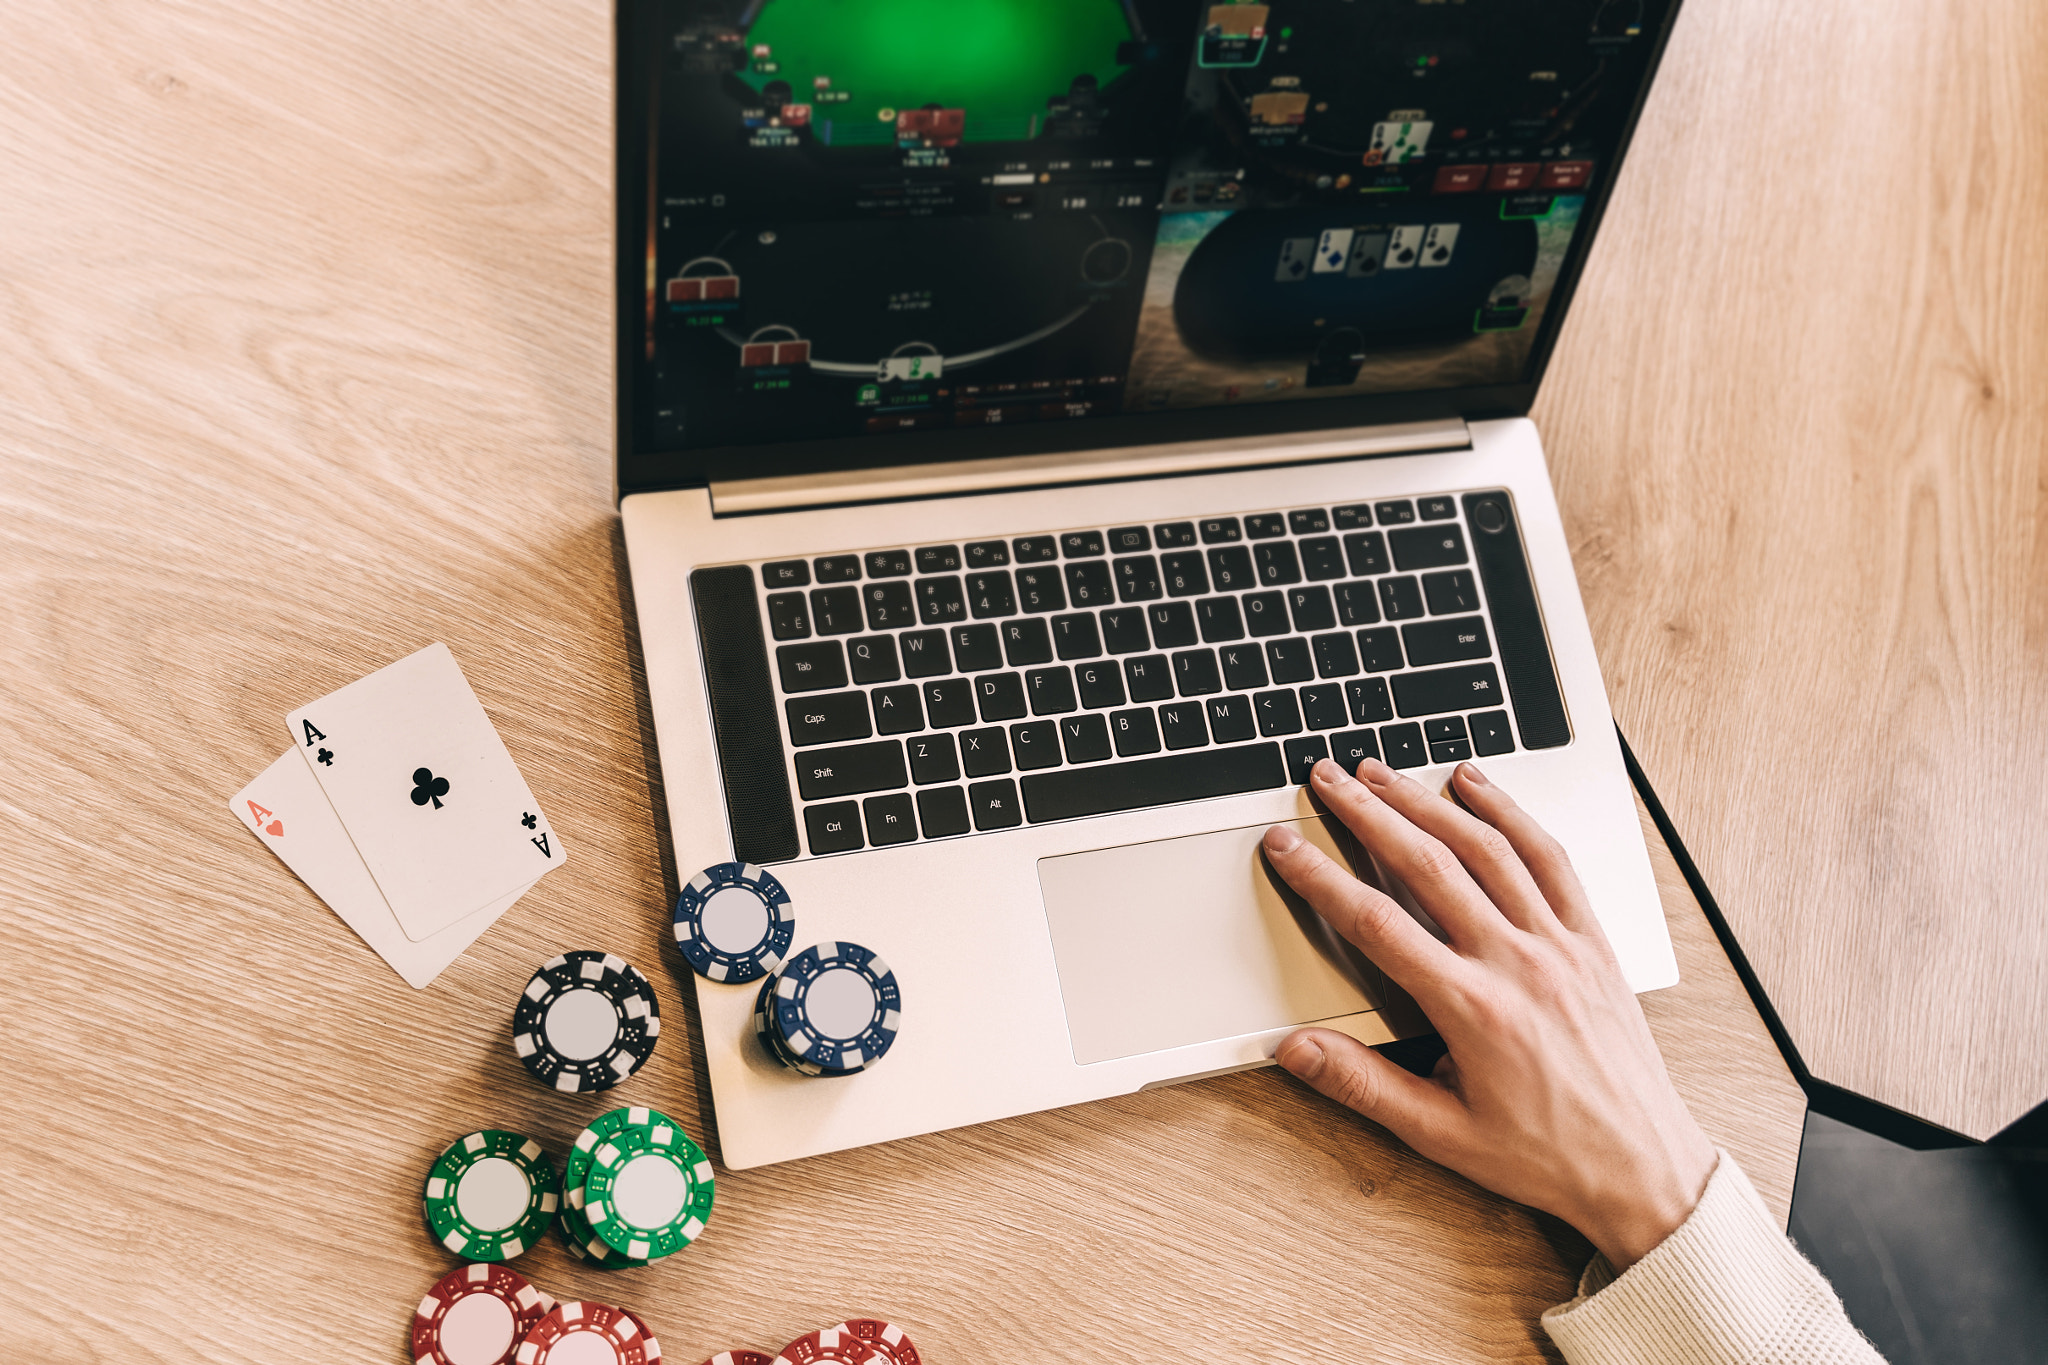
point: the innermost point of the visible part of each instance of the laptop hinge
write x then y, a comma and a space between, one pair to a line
839, 487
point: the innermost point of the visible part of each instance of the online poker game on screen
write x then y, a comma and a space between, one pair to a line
878, 216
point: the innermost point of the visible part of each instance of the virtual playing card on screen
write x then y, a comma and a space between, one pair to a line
427, 792
286, 809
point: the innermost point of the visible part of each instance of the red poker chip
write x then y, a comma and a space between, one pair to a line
741, 1357
833, 1345
886, 1337
584, 1333
648, 1344
476, 1315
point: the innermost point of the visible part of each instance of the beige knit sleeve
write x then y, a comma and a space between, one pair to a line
1727, 1288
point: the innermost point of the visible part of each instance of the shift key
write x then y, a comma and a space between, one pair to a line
1471, 688
851, 770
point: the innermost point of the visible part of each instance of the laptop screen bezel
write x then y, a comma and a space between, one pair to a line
643, 470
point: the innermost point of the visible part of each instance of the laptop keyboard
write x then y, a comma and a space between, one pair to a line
933, 691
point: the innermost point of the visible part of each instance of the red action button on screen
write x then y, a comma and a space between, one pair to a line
1566, 175
1459, 179
1514, 175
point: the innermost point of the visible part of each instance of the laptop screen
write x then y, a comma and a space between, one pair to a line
1003, 225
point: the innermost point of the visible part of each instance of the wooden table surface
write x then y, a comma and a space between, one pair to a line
1800, 436
303, 339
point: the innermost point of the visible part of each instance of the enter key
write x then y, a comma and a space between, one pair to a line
1446, 642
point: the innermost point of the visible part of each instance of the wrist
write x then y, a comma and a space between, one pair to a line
1633, 1222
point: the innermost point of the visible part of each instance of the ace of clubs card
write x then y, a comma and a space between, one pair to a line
425, 788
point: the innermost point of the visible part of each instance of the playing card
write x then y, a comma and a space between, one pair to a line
1404, 244
1333, 249
1295, 256
1399, 142
1437, 246
285, 808
425, 789
1368, 249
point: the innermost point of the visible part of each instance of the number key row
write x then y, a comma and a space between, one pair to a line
940, 601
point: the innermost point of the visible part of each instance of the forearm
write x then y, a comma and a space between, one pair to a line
1727, 1288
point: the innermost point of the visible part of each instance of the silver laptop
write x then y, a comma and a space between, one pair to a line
1039, 445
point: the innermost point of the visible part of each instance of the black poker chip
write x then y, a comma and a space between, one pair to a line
586, 1021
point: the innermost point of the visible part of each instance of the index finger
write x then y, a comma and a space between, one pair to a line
1367, 917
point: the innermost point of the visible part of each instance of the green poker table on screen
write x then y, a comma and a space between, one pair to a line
996, 59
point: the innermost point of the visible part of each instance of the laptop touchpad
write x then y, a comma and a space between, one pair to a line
1186, 940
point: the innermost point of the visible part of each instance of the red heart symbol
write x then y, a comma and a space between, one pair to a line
274, 828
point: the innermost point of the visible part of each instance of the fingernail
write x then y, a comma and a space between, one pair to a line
1302, 1057
1329, 773
1473, 775
1281, 839
1375, 772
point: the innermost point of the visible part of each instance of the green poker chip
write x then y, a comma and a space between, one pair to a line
584, 1244
650, 1187
491, 1195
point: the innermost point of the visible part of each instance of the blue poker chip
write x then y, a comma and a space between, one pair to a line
836, 1007
734, 923
764, 1033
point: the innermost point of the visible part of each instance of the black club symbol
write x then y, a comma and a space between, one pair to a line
529, 820
427, 787
326, 757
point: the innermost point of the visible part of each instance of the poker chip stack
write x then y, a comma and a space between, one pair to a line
476, 1315
487, 1315
585, 1021
490, 1315
490, 1195
635, 1188
886, 1338
857, 1341
831, 1010
734, 923
575, 1332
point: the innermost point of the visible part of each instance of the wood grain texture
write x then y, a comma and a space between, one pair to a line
303, 339
1800, 438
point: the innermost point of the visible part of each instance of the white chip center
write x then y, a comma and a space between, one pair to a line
477, 1330
581, 1024
841, 1003
650, 1192
583, 1348
493, 1194
735, 920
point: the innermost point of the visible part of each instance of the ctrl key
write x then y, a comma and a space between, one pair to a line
834, 828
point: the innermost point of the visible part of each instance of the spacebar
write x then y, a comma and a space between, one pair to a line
1152, 782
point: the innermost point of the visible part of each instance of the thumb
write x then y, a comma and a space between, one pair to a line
1358, 1078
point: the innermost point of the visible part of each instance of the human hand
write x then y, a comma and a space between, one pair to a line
1552, 1093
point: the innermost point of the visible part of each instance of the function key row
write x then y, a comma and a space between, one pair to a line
992, 554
